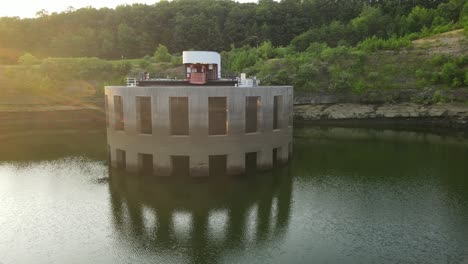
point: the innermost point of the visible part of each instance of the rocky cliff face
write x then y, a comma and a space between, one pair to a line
382, 96
451, 115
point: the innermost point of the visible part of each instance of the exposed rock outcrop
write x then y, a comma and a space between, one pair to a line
452, 115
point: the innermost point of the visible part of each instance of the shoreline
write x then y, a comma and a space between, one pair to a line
399, 116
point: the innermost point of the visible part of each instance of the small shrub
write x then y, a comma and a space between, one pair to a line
448, 72
144, 64
28, 59
162, 54
438, 97
359, 87
393, 43
176, 60
439, 59
456, 82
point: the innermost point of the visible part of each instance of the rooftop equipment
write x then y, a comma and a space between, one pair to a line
201, 66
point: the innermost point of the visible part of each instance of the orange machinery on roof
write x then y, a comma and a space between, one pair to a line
201, 66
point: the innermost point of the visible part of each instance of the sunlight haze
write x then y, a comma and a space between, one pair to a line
29, 8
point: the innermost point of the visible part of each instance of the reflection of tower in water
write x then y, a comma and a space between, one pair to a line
204, 220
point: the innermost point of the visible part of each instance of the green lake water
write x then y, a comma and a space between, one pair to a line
348, 196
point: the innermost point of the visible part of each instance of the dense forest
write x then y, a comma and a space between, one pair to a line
136, 30
315, 45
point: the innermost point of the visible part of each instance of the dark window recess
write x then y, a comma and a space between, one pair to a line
146, 163
291, 111
217, 115
180, 166
250, 162
121, 159
118, 110
275, 157
179, 118
106, 105
218, 165
251, 114
144, 114
277, 104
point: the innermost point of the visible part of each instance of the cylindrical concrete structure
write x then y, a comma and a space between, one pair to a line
155, 126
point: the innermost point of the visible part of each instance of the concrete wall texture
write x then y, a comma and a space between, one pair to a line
198, 145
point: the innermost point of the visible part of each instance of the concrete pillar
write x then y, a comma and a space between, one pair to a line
113, 156
130, 114
110, 111
236, 163
265, 159
154, 113
162, 165
290, 107
283, 153
265, 120
236, 114
131, 161
161, 122
283, 114
199, 165
198, 117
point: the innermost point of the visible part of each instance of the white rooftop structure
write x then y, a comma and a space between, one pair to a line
202, 57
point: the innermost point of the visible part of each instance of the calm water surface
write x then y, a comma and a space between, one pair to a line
349, 196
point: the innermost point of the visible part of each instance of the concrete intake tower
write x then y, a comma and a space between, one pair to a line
202, 125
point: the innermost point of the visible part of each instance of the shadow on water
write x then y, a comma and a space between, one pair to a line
203, 218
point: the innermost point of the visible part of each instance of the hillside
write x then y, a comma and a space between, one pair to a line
454, 43
133, 31
419, 66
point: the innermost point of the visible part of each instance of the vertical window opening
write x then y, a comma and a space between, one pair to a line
275, 157
118, 109
291, 110
106, 105
144, 115
180, 166
121, 159
250, 163
251, 114
217, 116
179, 115
145, 163
277, 105
217, 165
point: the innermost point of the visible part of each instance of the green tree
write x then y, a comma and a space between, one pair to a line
127, 39
464, 15
162, 54
28, 59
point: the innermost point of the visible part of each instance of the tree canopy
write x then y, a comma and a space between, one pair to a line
132, 31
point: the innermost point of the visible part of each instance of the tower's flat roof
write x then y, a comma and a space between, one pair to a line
204, 57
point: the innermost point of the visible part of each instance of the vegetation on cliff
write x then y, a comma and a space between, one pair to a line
315, 45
